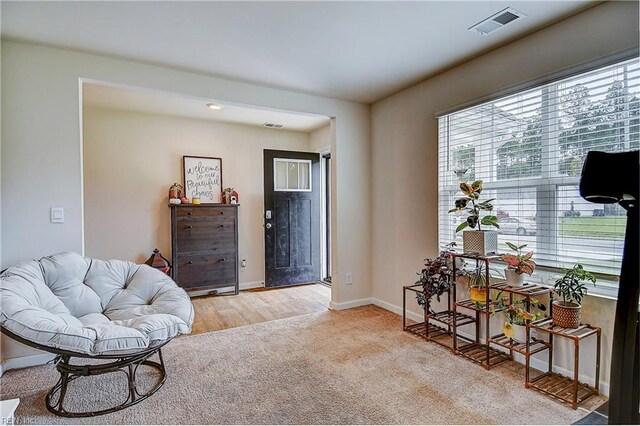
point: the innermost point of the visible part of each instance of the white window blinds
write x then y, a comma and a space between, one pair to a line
528, 148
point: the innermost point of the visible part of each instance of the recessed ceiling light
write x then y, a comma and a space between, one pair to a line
214, 106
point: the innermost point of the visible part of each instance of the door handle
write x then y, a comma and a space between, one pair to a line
268, 225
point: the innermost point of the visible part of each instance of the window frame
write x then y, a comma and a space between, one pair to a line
550, 180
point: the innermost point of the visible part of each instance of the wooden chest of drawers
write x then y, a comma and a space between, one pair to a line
204, 246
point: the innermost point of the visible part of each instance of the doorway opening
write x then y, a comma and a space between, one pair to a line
325, 165
229, 134
292, 217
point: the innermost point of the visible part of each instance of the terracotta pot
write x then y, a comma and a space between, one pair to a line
513, 279
478, 294
567, 314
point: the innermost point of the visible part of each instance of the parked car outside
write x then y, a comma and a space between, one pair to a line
515, 226
501, 214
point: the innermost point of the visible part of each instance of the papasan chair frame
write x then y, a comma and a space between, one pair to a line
128, 364
132, 304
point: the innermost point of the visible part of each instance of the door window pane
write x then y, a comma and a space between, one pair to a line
292, 169
292, 175
280, 175
303, 176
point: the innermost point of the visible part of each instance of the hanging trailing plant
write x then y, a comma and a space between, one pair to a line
435, 278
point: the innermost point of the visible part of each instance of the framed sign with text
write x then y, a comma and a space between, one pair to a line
202, 178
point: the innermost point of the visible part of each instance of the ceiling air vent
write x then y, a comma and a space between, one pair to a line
273, 125
497, 21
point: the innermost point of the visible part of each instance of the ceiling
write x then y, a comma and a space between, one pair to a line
147, 101
359, 51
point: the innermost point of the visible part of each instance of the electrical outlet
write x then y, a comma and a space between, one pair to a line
348, 278
243, 263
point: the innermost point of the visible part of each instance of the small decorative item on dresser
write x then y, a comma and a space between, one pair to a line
195, 200
175, 193
567, 312
229, 196
158, 261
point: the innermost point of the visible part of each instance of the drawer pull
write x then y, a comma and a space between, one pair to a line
223, 260
190, 262
189, 213
221, 226
190, 226
221, 212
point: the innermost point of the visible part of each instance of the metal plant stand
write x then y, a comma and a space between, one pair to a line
70, 372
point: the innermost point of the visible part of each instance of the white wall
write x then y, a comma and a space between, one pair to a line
130, 159
41, 150
320, 139
405, 142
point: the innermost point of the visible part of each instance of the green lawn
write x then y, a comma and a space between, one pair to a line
593, 227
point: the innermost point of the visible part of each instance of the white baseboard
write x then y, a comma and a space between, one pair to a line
536, 363
350, 304
414, 316
25, 361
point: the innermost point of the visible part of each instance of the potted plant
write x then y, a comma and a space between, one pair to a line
567, 312
517, 316
517, 265
478, 241
478, 286
435, 278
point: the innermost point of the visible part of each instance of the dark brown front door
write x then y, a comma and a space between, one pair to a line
291, 217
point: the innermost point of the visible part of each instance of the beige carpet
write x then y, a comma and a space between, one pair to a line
354, 366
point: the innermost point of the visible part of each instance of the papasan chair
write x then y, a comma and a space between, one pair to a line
114, 314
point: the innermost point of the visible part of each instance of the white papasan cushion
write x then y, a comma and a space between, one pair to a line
92, 306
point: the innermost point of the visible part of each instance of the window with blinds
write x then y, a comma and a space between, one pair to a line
529, 148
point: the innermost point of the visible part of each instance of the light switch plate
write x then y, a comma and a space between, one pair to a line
57, 214
348, 278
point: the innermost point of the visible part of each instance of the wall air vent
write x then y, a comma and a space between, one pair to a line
273, 125
497, 21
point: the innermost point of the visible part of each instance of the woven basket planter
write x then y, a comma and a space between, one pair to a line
566, 315
480, 242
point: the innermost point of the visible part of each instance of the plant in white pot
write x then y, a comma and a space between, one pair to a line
477, 241
517, 316
571, 287
517, 265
